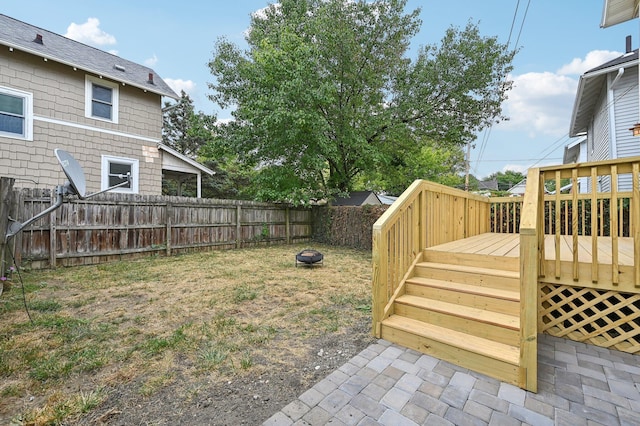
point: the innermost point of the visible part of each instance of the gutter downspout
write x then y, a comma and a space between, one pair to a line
613, 147
615, 80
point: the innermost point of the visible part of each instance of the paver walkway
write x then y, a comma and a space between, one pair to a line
386, 384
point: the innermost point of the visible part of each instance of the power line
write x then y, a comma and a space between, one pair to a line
487, 132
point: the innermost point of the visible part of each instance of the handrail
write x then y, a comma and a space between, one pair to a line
425, 215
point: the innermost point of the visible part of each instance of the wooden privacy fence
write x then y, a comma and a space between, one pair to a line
115, 226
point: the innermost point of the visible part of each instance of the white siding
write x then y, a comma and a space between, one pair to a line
626, 115
599, 149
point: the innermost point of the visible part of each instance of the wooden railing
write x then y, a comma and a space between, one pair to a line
505, 214
425, 215
604, 204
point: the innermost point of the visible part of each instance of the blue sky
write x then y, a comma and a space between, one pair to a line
558, 41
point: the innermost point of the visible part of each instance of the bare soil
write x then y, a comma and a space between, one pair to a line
244, 400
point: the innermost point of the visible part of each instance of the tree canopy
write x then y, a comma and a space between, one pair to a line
507, 179
185, 130
327, 92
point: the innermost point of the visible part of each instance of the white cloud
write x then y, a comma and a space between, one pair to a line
515, 168
179, 85
540, 103
152, 61
90, 33
593, 59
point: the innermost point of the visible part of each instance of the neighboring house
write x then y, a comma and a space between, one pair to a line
387, 199
358, 198
517, 190
488, 185
102, 109
605, 110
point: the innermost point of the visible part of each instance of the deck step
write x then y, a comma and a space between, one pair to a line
451, 345
495, 293
471, 259
472, 275
483, 316
471, 269
481, 297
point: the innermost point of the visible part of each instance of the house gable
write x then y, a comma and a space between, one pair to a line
58, 76
48, 45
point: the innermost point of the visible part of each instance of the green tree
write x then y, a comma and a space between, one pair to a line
184, 129
429, 161
507, 179
326, 91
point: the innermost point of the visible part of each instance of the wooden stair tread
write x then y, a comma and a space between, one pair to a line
489, 348
471, 269
495, 293
481, 315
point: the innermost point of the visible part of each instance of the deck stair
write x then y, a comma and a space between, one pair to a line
462, 309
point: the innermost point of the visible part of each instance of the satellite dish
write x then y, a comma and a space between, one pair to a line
74, 172
77, 185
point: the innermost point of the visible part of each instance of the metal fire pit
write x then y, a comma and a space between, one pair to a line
309, 257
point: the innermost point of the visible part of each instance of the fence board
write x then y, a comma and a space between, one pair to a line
114, 226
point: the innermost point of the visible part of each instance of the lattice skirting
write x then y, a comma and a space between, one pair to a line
604, 318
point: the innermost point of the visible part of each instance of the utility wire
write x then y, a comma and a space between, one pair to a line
24, 295
487, 132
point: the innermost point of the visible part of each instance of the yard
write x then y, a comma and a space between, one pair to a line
223, 337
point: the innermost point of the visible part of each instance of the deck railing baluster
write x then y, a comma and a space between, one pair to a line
594, 224
613, 218
574, 221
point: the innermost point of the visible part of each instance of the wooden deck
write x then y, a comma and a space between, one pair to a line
508, 245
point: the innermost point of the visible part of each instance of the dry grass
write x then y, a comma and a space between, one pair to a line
224, 313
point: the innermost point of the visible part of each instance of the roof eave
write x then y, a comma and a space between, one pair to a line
618, 11
86, 69
575, 128
186, 159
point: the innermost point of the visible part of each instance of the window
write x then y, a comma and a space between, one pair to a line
114, 171
101, 99
16, 114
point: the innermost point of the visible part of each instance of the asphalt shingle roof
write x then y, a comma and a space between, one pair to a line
22, 36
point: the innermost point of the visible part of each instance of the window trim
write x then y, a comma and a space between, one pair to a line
28, 114
115, 101
135, 173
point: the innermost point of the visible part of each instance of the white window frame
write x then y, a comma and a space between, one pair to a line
135, 173
28, 114
115, 101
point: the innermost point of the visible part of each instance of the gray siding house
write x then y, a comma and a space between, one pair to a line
605, 109
104, 110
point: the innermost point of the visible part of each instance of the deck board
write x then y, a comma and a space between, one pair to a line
508, 245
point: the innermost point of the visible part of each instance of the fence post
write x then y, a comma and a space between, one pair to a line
238, 226
169, 216
53, 230
288, 224
6, 190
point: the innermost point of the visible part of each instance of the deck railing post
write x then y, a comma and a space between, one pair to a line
529, 229
380, 262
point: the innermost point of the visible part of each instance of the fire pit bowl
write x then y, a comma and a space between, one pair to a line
309, 257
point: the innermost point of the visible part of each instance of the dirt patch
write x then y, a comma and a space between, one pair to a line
219, 338
244, 400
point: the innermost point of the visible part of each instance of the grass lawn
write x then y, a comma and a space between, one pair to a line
218, 315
